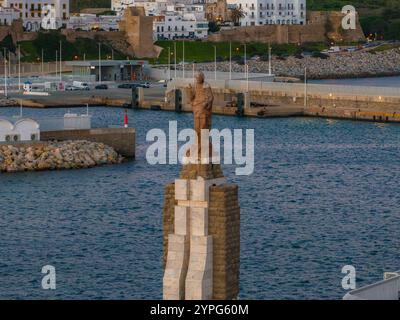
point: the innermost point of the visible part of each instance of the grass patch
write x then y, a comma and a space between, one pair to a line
203, 51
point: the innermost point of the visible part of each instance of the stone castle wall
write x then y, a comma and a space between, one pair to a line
321, 27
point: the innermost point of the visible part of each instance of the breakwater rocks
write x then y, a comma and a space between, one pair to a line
56, 155
5, 102
344, 65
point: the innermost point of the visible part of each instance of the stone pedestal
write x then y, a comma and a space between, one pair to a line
201, 236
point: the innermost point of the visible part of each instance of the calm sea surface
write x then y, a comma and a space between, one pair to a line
324, 194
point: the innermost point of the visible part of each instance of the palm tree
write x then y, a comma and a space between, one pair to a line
236, 15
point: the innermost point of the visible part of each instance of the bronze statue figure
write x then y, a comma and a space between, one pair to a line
202, 99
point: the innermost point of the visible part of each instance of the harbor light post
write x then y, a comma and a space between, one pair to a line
60, 61
99, 62
169, 63
183, 59
56, 63
305, 87
215, 62
230, 60
19, 67
42, 65
5, 73
269, 60
245, 60
175, 58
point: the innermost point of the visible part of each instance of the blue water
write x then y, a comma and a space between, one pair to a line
324, 194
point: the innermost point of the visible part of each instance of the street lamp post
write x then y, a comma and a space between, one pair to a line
183, 59
42, 65
305, 87
215, 62
60, 61
269, 60
169, 63
245, 60
19, 67
5, 72
175, 58
100, 62
230, 60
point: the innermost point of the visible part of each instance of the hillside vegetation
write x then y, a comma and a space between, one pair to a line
381, 17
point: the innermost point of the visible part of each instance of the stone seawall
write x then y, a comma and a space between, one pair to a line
122, 140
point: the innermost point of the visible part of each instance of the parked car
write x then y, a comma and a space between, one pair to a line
71, 88
101, 87
143, 85
127, 86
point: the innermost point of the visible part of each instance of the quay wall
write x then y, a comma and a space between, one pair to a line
122, 140
277, 99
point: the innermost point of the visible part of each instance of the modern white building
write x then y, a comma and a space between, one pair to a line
88, 22
8, 15
261, 12
20, 130
36, 14
172, 18
174, 24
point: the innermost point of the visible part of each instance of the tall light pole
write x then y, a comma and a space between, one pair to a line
100, 62
5, 72
305, 87
245, 60
19, 67
175, 57
42, 67
169, 63
60, 61
230, 60
215, 62
183, 59
9, 63
269, 60
56, 63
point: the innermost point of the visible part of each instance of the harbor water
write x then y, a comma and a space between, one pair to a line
324, 194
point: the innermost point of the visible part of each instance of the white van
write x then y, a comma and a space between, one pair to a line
81, 85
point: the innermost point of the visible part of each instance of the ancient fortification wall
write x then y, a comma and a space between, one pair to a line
321, 27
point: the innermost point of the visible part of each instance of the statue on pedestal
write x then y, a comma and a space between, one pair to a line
202, 99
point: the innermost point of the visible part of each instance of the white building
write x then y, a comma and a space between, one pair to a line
21, 130
36, 14
88, 22
261, 12
179, 20
8, 15
174, 24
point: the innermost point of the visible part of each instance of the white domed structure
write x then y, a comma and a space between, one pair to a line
22, 130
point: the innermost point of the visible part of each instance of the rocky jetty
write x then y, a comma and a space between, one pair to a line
6, 102
56, 155
344, 65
